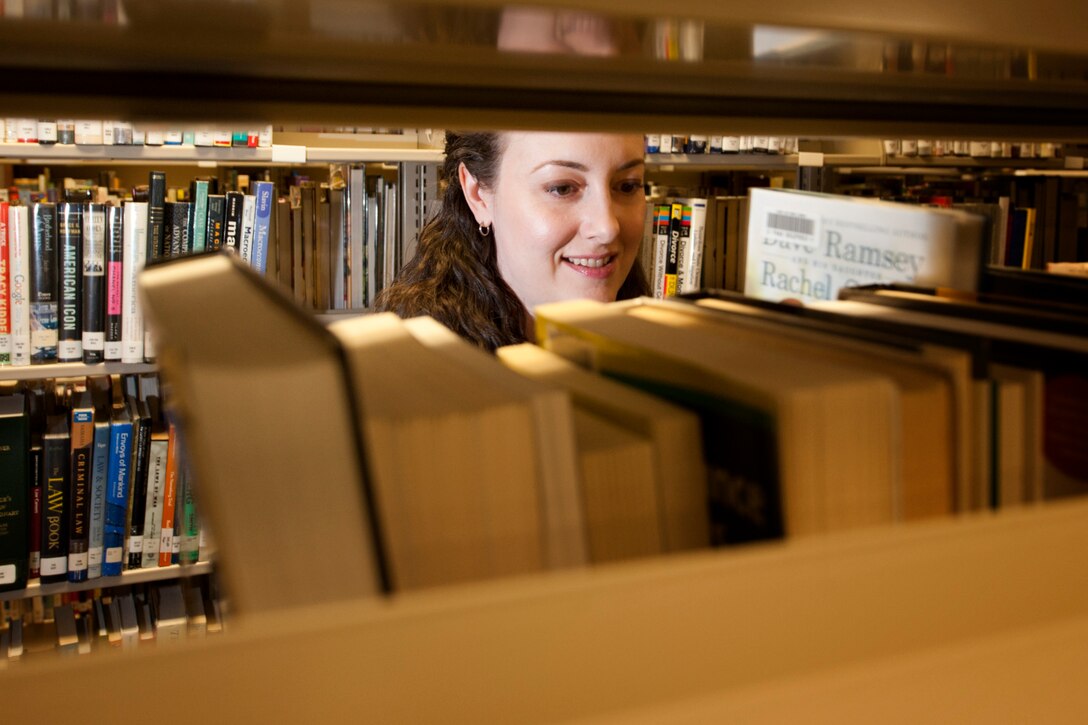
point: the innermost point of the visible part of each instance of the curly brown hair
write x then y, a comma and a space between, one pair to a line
454, 276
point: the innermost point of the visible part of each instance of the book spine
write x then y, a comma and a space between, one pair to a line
169, 499
141, 453
245, 235
133, 257
14, 462
156, 214
156, 484
82, 433
232, 220
99, 468
115, 281
117, 492
70, 241
672, 256
34, 527
661, 248
44, 291
190, 522
19, 249
692, 262
57, 457
213, 235
262, 220
356, 200
5, 287
94, 283
198, 219
178, 221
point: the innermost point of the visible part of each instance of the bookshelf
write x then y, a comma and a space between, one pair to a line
127, 578
277, 155
73, 370
755, 631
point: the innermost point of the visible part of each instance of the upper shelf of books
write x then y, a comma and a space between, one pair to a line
844, 67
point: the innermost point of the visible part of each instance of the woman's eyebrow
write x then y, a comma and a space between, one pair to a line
582, 167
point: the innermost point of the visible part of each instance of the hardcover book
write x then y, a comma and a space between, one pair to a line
44, 289
93, 310
5, 287
14, 485
134, 255
245, 230
198, 218
100, 394
57, 457
70, 254
118, 485
232, 220
270, 338
264, 198
141, 463
156, 215
115, 283
19, 251
213, 234
79, 492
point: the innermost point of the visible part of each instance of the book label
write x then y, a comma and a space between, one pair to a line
114, 554
166, 540
94, 556
78, 562
7, 574
53, 565
136, 544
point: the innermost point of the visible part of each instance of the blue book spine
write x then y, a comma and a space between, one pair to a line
118, 475
99, 466
261, 223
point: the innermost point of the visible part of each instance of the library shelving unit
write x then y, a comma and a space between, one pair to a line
978, 619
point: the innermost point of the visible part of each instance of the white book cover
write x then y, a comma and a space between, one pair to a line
5, 289
156, 487
356, 198
249, 215
135, 254
690, 276
807, 246
19, 251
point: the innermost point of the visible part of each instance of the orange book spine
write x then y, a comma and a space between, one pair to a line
170, 489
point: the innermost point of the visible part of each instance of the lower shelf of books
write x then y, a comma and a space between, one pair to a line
860, 613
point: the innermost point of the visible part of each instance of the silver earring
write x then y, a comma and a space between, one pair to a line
485, 230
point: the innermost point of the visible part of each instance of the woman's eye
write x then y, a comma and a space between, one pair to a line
629, 186
561, 189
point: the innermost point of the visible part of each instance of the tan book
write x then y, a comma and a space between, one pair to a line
674, 434
795, 449
555, 454
619, 494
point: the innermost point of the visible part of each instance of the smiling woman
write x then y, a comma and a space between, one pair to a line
526, 218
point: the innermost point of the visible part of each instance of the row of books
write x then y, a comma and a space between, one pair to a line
702, 422
96, 132
94, 482
691, 243
112, 618
909, 147
701, 144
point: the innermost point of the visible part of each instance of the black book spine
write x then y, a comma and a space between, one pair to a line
179, 228
44, 290
141, 424
217, 209
94, 283
156, 199
34, 525
14, 508
79, 492
70, 241
232, 220
115, 246
57, 456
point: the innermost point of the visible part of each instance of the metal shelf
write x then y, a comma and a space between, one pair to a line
134, 576
205, 156
73, 370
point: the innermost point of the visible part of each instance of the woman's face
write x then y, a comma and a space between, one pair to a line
567, 213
